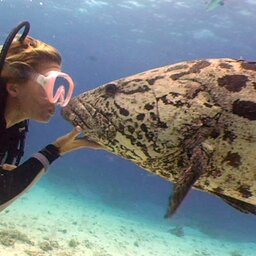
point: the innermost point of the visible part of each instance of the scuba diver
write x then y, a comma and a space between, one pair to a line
29, 69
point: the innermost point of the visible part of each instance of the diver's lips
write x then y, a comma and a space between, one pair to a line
51, 112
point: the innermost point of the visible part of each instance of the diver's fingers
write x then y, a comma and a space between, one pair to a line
8, 167
74, 133
70, 142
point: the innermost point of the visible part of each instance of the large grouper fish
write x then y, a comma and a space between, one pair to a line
192, 123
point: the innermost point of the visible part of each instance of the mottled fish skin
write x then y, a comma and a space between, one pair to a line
157, 118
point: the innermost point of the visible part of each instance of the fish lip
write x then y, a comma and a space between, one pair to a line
68, 111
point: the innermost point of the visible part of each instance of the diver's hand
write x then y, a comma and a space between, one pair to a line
70, 142
8, 167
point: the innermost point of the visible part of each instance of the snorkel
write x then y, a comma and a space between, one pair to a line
10, 39
55, 93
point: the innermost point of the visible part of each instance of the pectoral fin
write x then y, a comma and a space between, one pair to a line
198, 164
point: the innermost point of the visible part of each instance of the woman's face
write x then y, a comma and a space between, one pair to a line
32, 98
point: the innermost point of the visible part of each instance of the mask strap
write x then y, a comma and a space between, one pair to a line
10, 38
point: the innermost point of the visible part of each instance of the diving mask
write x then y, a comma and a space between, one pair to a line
57, 93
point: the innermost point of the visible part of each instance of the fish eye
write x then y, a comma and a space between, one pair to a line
111, 89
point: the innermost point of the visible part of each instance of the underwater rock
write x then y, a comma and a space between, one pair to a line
48, 245
177, 231
88, 244
10, 236
45, 246
73, 243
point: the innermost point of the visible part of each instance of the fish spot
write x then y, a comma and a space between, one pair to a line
161, 124
139, 137
164, 99
214, 134
225, 65
199, 66
249, 65
233, 159
175, 94
233, 83
193, 91
121, 128
207, 183
177, 67
140, 89
180, 163
124, 112
144, 128
131, 129
153, 80
208, 105
245, 191
140, 116
178, 75
149, 106
229, 136
218, 190
134, 81
215, 172
153, 116
246, 109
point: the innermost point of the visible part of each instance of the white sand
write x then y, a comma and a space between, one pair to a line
58, 224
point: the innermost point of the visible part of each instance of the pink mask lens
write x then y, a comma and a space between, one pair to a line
57, 93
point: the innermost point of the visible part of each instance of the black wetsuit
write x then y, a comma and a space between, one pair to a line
16, 182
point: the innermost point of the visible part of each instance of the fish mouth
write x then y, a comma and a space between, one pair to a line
73, 117
96, 126
68, 114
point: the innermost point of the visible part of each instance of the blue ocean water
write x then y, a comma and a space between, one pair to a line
104, 40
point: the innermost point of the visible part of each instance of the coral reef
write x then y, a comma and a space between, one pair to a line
9, 237
48, 245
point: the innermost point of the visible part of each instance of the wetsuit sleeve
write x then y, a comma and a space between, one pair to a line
14, 183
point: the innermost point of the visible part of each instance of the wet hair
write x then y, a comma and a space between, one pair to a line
25, 57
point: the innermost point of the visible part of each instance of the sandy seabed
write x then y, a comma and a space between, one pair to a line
46, 222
